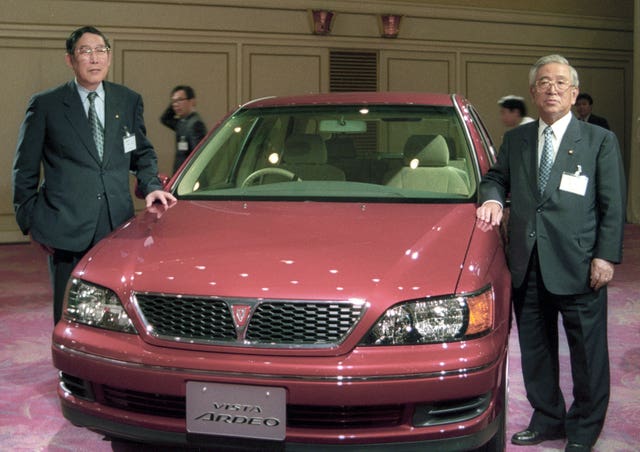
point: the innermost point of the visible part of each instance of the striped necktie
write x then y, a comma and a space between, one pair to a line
94, 122
546, 159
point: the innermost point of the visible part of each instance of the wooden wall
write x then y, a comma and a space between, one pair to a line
232, 51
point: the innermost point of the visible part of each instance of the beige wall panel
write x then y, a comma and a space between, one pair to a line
265, 15
154, 73
609, 83
278, 71
27, 67
407, 71
607, 86
483, 32
488, 79
140, 14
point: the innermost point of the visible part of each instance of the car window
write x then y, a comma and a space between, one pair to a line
342, 152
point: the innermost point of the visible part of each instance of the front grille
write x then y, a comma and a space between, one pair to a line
344, 417
187, 317
298, 416
273, 323
301, 323
143, 402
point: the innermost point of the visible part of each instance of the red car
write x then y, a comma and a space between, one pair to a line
320, 283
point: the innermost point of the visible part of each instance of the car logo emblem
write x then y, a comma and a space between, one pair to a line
240, 315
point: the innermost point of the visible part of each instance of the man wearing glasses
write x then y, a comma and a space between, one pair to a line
182, 117
566, 222
87, 136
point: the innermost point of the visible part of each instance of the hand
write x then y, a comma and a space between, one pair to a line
158, 209
490, 213
601, 273
483, 225
163, 197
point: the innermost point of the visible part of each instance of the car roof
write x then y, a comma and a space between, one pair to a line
362, 98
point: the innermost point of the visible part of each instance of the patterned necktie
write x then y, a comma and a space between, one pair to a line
96, 128
546, 159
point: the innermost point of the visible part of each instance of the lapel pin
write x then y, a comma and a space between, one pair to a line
570, 151
117, 116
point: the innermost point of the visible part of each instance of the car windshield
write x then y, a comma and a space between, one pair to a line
335, 152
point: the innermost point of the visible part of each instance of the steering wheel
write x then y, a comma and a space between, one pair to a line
269, 170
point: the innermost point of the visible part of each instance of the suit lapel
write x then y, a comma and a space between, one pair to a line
75, 114
112, 127
530, 155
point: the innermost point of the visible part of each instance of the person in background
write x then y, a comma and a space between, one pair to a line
182, 117
584, 105
87, 135
566, 183
513, 111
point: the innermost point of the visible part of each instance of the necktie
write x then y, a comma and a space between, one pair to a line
546, 160
96, 128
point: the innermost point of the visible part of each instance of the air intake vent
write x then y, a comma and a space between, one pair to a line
353, 71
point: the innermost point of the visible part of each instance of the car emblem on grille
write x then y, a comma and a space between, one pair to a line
240, 315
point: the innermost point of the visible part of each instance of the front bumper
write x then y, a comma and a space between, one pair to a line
148, 435
370, 398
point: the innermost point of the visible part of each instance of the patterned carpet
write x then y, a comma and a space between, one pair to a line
30, 418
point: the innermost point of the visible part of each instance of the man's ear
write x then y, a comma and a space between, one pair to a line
67, 59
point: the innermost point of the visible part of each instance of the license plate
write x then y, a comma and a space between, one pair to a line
257, 412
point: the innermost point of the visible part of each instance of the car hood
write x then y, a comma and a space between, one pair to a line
287, 250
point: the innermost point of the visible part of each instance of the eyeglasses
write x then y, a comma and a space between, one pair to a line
86, 52
179, 99
561, 85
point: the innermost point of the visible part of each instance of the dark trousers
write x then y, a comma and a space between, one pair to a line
584, 318
62, 262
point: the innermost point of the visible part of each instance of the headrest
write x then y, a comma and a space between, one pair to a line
415, 143
340, 147
436, 153
305, 148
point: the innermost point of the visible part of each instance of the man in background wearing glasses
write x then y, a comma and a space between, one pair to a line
87, 136
182, 117
566, 222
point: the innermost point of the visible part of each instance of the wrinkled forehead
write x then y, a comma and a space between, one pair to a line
554, 71
90, 40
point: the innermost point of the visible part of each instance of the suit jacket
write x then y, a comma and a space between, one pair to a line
568, 229
598, 120
63, 211
191, 128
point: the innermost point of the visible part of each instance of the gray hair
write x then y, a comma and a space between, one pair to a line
552, 59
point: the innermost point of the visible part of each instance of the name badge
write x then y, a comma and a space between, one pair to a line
129, 142
183, 144
574, 182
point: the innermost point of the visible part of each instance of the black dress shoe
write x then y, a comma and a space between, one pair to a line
531, 437
577, 447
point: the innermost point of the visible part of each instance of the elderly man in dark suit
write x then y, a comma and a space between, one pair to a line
566, 221
87, 135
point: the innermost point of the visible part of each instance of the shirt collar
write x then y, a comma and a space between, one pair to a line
559, 127
84, 92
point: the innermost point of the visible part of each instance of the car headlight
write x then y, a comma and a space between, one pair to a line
97, 306
430, 320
